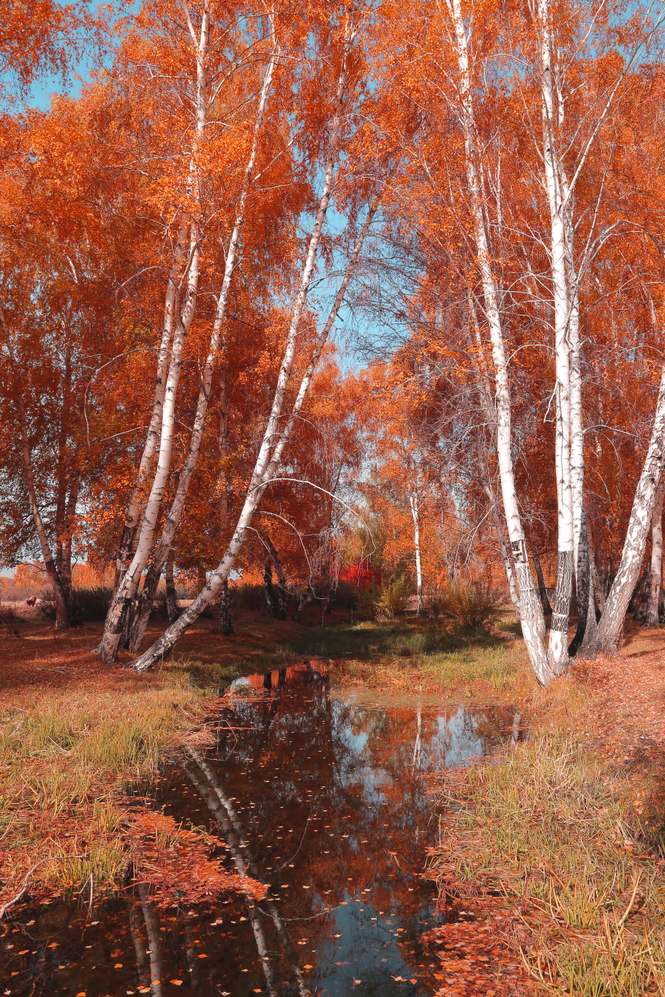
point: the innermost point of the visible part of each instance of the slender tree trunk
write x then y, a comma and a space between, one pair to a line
415, 515
267, 587
62, 607
558, 641
171, 600
531, 615
225, 623
596, 583
152, 437
656, 574
542, 588
586, 605
129, 584
614, 614
282, 586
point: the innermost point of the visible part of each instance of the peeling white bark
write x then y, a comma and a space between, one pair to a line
533, 625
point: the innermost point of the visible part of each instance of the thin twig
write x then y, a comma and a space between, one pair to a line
24, 889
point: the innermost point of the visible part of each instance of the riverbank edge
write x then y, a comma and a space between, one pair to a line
558, 844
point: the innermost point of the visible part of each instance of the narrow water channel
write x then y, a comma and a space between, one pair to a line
328, 801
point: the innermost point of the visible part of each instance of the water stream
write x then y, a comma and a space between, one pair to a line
327, 799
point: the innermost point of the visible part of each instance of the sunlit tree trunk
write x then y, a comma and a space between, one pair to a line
489, 412
137, 497
531, 615
614, 614
558, 639
415, 515
656, 574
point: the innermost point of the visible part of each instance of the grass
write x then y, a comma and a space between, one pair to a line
70, 764
563, 844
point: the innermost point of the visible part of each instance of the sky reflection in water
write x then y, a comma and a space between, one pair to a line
328, 799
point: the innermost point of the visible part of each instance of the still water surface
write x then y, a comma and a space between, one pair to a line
328, 800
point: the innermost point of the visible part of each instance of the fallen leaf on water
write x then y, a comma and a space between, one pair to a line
413, 981
176, 983
118, 965
202, 955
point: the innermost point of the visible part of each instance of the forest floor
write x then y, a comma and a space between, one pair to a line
555, 846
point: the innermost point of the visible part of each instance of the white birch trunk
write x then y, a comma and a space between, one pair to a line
136, 499
656, 573
558, 639
533, 625
415, 515
489, 412
614, 614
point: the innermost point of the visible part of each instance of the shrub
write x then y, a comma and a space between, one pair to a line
472, 602
91, 603
393, 597
434, 599
8, 615
367, 600
247, 598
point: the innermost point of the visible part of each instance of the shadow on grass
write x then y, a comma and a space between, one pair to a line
369, 640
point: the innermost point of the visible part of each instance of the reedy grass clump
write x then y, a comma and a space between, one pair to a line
70, 763
549, 826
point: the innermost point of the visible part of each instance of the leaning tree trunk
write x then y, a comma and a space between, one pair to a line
152, 438
185, 477
656, 575
274, 440
489, 411
612, 620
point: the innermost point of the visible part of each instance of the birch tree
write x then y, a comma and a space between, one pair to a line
284, 410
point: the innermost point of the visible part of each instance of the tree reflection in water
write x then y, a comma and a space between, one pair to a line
324, 800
